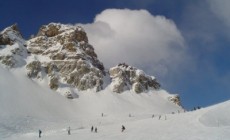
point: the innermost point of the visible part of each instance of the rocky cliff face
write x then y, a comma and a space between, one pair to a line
69, 58
62, 55
125, 77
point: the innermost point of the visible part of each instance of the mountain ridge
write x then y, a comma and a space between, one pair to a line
62, 55
30, 81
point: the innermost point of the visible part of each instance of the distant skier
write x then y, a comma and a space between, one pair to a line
159, 117
194, 109
102, 114
153, 116
95, 129
40, 133
92, 129
130, 115
68, 130
122, 128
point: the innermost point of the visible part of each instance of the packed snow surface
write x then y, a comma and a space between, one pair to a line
27, 106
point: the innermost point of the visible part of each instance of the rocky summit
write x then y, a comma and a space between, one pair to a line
61, 55
70, 58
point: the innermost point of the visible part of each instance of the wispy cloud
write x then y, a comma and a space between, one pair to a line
222, 9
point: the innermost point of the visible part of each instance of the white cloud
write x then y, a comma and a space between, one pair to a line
221, 8
152, 43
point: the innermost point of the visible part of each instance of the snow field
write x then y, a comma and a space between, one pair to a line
27, 106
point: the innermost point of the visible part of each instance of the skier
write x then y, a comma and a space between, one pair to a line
159, 117
122, 128
92, 129
194, 109
40, 133
102, 114
95, 129
153, 116
68, 130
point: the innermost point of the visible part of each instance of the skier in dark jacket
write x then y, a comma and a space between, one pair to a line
40, 133
159, 117
92, 129
68, 130
95, 129
122, 128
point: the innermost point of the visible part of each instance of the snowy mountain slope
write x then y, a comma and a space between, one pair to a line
60, 60
141, 125
27, 106
217, 116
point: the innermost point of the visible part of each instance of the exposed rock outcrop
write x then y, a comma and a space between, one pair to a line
125, 77
175, 99
10, 35
33, 69
62, 55
12, 47
71, 59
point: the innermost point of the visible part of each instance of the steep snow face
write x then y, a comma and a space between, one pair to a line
63, 53
12, 47
125, 77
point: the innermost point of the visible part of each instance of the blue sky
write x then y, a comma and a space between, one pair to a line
202, 76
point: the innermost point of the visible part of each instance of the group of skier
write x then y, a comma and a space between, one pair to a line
95, 130
92, 130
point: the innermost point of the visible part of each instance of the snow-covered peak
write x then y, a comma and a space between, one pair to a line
61, 56
12, 47
11, 35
